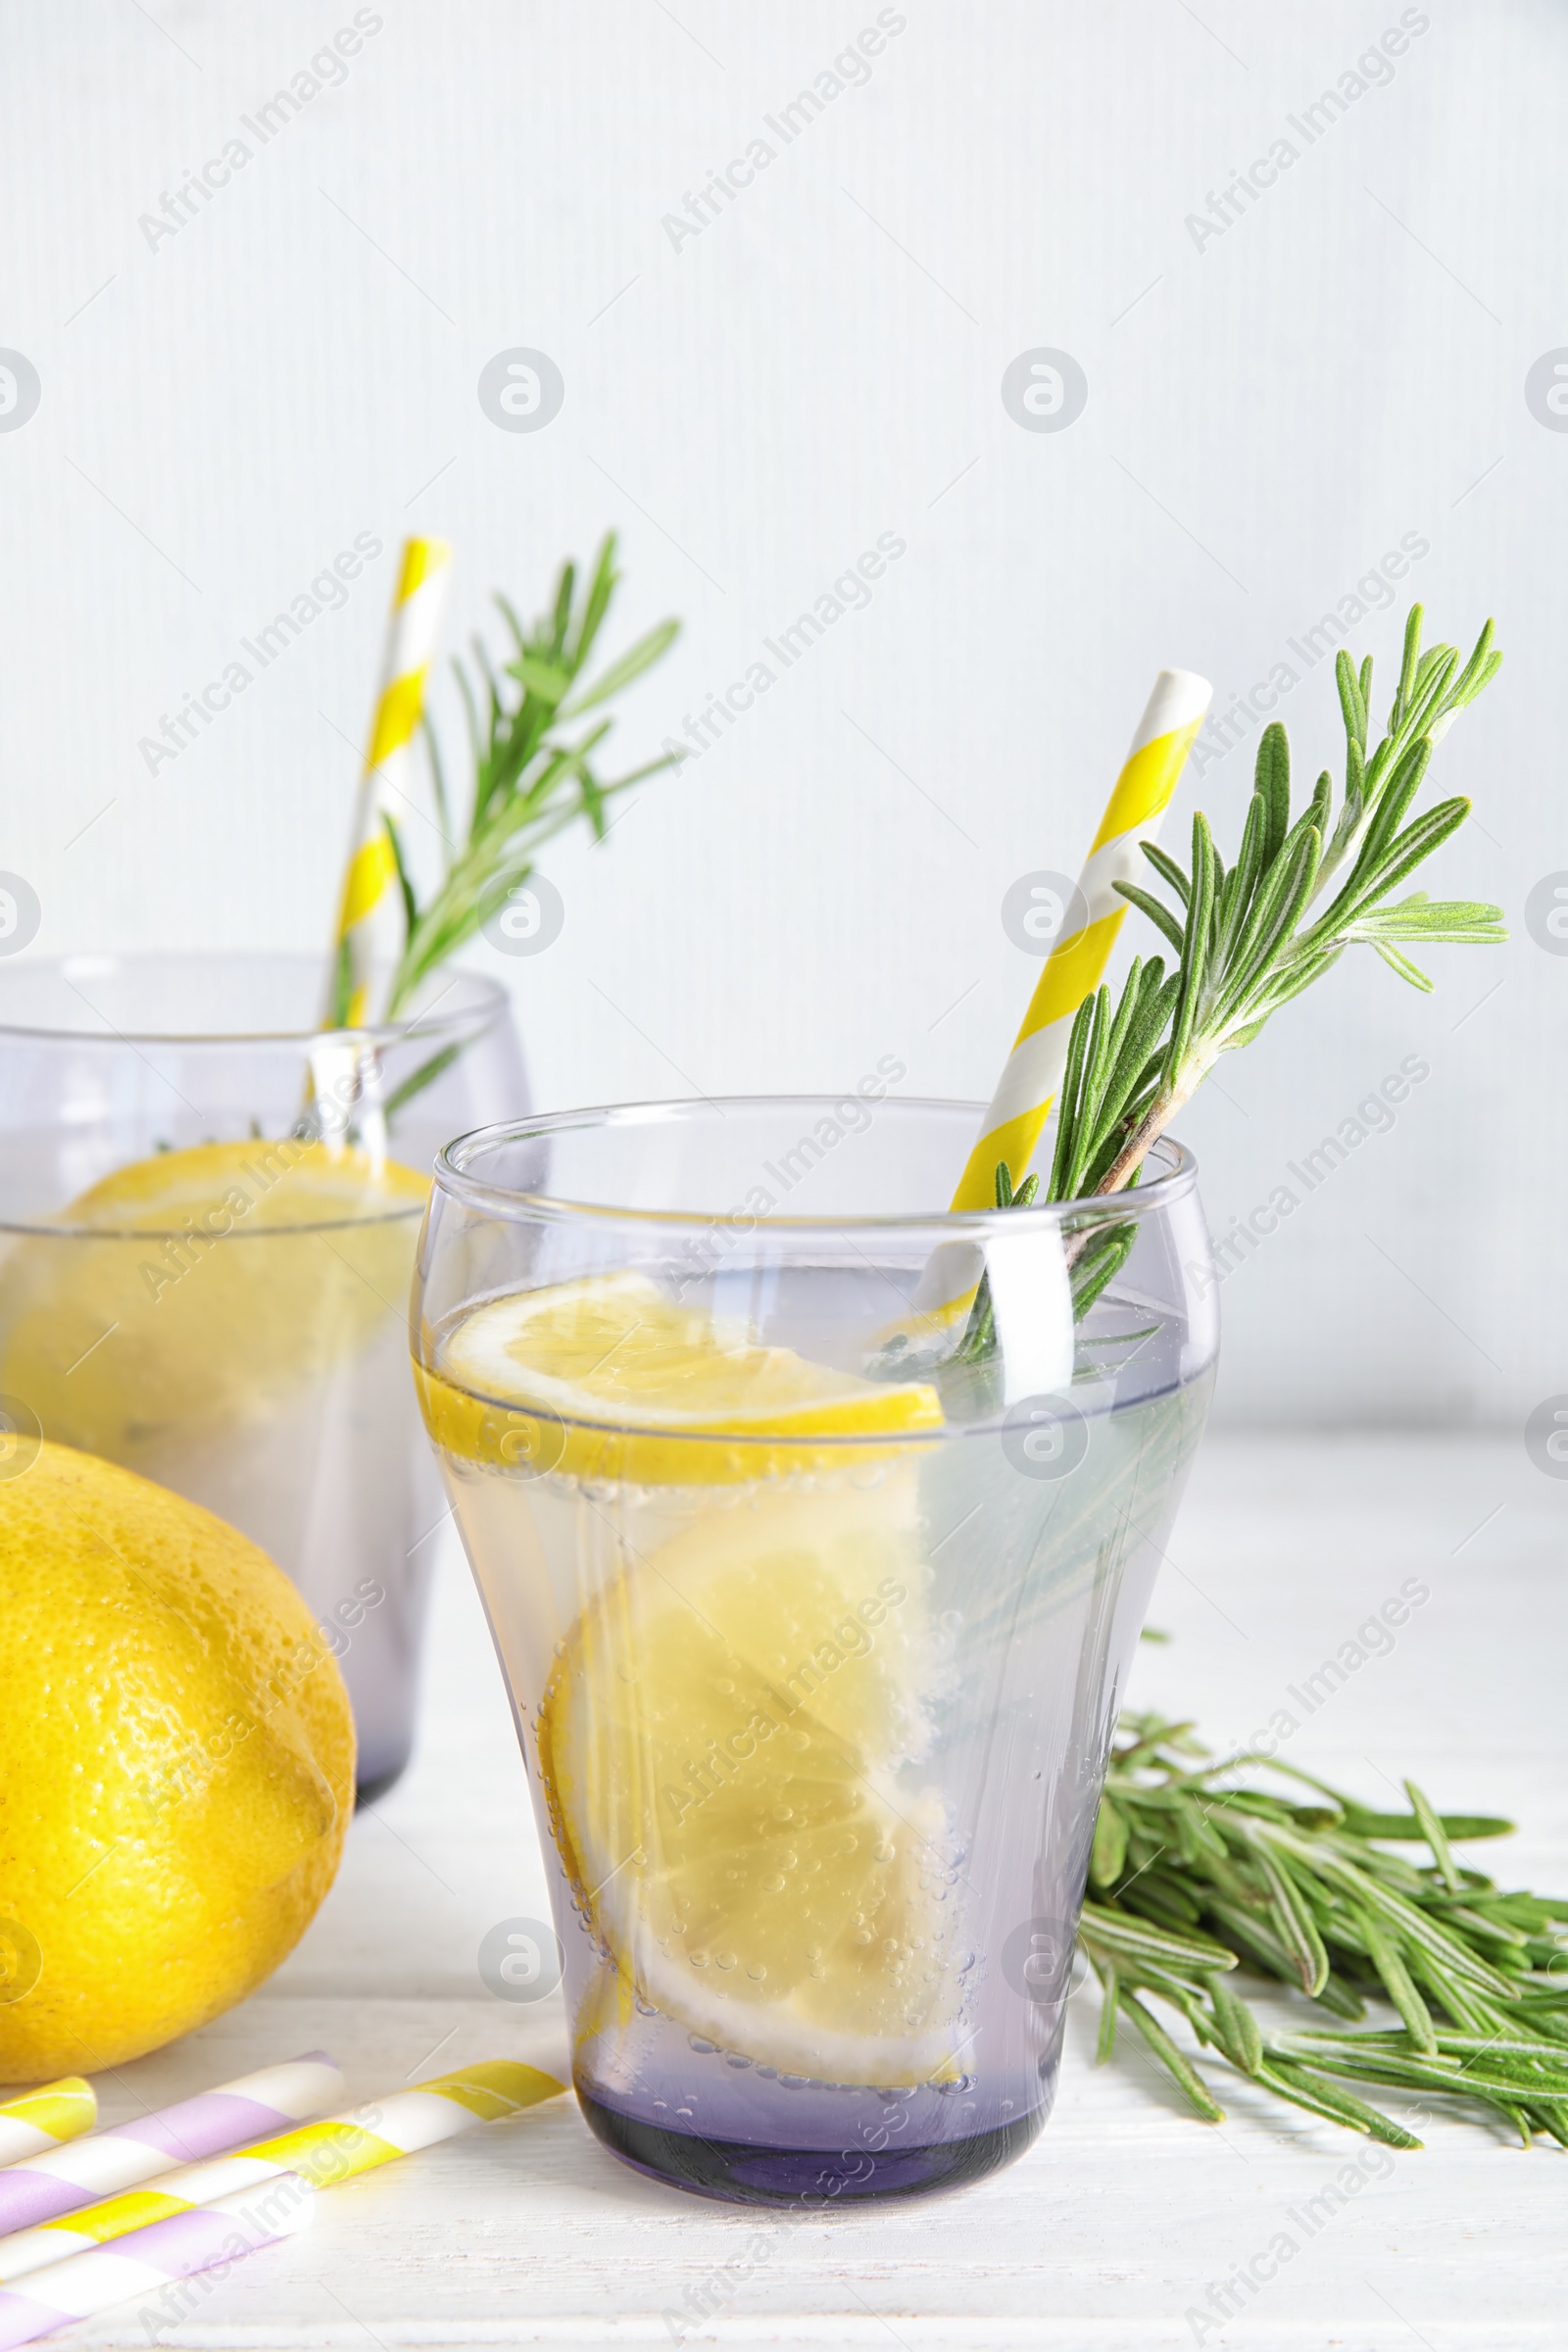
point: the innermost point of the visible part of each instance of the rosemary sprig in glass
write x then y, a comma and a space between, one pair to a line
1195, 1874
530, 781
1249, 937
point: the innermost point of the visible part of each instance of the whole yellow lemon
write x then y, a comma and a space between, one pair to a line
176, 1766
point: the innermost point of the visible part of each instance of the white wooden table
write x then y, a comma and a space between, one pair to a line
1117, 2222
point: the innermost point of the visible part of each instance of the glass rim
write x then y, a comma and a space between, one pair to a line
451, 1174
486, 999
54, 1229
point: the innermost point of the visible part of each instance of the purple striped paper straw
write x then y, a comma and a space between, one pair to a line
148, 2261
102, 2163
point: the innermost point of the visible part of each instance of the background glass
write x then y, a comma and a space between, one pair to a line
263, 1374
960, 1609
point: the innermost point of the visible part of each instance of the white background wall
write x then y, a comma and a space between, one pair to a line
1267, 415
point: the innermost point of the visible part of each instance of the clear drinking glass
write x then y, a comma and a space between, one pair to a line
815, 1530
260, 1367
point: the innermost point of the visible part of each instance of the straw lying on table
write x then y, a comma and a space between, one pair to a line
321, 2154
40, 2120
370, 922
1077, 962
153, 2258
65, 2177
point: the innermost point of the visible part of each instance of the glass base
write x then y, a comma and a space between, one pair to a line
808, 2179
367, 1792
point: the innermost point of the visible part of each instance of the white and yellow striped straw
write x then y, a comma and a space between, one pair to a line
370, 921
36, 2120
1076, 964
321, 2154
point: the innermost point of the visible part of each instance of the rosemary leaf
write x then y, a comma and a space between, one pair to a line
1333, 2105
1436, 1835
1179, 2067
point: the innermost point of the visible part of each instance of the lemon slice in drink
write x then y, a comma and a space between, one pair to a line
198, 1292
724, 1743
629, 1382
730, 1733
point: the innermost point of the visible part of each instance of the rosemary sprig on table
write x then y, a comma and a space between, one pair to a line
1249, 937
530, 781
1193, 1875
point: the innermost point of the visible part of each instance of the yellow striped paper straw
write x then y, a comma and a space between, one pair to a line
370, 921
42, 2119
321, 2154
1077, 963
